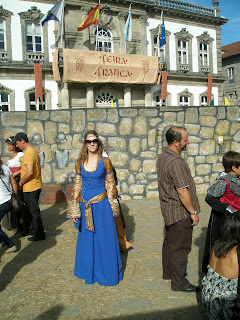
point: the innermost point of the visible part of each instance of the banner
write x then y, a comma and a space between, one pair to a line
102, 67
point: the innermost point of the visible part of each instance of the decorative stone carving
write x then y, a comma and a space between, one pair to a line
204, 37
155, 31
122, 16
105, 18
86, 8
62, 157
5, 13
183, 34
32, 14
143, 18
36, 138
42, 158
215, 3
61, 137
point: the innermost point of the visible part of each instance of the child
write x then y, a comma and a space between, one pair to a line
224, 198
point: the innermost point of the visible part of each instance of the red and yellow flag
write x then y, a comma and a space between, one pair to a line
91, 19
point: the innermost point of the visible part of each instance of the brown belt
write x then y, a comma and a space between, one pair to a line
88, 209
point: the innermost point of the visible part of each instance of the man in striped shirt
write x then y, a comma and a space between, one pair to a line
180, 208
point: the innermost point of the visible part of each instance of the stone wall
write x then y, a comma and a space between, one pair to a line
133, 138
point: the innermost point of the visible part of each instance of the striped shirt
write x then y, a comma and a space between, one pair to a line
174, 173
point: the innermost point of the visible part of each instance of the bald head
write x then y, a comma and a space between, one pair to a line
174, 133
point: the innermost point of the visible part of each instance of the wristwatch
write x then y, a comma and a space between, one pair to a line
195, 212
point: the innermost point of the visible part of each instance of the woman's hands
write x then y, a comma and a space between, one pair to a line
75, 220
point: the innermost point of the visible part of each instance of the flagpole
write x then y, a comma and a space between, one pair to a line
62, 29
97, 29
130, 7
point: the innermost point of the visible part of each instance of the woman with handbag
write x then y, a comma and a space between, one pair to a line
221, 284
13, 220
93, 207
6, 179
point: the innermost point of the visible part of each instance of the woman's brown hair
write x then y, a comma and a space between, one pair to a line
83, 157
10, 141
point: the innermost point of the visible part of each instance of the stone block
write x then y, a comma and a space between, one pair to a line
193, 149
77, 141
217, 167
66, 145
148, 112
222, 127
212, 159
35, 127
236, 137
74, 155
62, 176
131, 179
198, 180
233, 113
63, 127
152, 138
127, 112
124, 187
149, 166
202, 188
90, 126
235, 146
180, 118
10, 131
47, 173
221, 113
106, 129
206, 178
155, 121
206, 132
112, 116
96, 115
117, 143
79, 121
144, 144
170, 116
148, 154
152, 195
191, 115
125, 127
41, 115
13, 119
192, 129
200, 159
50, 132
119, 159
136, 189
134, 145
60, 116
234, 128
140, 126
141, 176
203, 169
122, 174
207, 147
208, 121
152, 186
135, 165
207, 111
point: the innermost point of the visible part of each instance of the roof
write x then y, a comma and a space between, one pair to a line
231, 49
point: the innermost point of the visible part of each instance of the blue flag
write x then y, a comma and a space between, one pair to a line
163, 35
56, 13
128, 26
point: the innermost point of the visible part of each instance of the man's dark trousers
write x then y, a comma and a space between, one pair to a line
31, 200
176, 247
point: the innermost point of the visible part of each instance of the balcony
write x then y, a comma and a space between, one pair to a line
3, 57
205, 69
184, 67
35, 57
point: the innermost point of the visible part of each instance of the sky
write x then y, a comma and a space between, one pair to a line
230, 9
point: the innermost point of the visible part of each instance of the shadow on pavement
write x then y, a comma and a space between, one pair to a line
31, 252
53, 313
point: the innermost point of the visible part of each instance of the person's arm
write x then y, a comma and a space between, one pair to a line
14, 184
73, 209
110, 184
217, 205
185, 198
28, 175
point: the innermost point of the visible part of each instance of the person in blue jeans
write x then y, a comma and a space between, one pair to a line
6, 181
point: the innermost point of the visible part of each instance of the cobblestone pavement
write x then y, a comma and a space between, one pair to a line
37, 282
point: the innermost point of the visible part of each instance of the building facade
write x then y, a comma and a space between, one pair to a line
192, 52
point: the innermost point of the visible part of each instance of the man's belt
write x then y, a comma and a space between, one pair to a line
88, 209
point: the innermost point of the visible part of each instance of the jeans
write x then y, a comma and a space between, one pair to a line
31, 200
4, 208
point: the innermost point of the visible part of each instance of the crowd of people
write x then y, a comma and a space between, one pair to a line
96, 213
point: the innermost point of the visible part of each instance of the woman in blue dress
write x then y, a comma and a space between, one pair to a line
93, 207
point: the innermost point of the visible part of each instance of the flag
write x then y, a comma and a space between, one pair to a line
163, 35
226, 102
56, 13
91, 19
128, 26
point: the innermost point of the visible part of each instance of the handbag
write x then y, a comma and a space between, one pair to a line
14, 198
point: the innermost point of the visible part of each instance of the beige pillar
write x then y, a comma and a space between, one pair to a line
65, 96
127, 97
122, 17
90, 97
148, 102
143, 21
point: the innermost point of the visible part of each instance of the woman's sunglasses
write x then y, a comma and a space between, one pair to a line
91, 141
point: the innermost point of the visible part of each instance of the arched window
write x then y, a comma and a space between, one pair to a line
103, 99
104, 40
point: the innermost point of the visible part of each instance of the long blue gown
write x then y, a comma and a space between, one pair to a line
98, 257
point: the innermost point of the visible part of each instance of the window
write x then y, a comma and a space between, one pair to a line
5, 102
159, 52
182, 52
204, 101
39, 105
104, 99
2, 36
104, 40
204, 56
230, 96
33, 37
184, 101
231, 75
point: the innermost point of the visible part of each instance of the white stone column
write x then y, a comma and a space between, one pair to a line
148, 102
127, 97
122, 17
90, 97
143, 20
65, 96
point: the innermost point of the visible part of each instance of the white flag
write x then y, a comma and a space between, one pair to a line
128, 26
